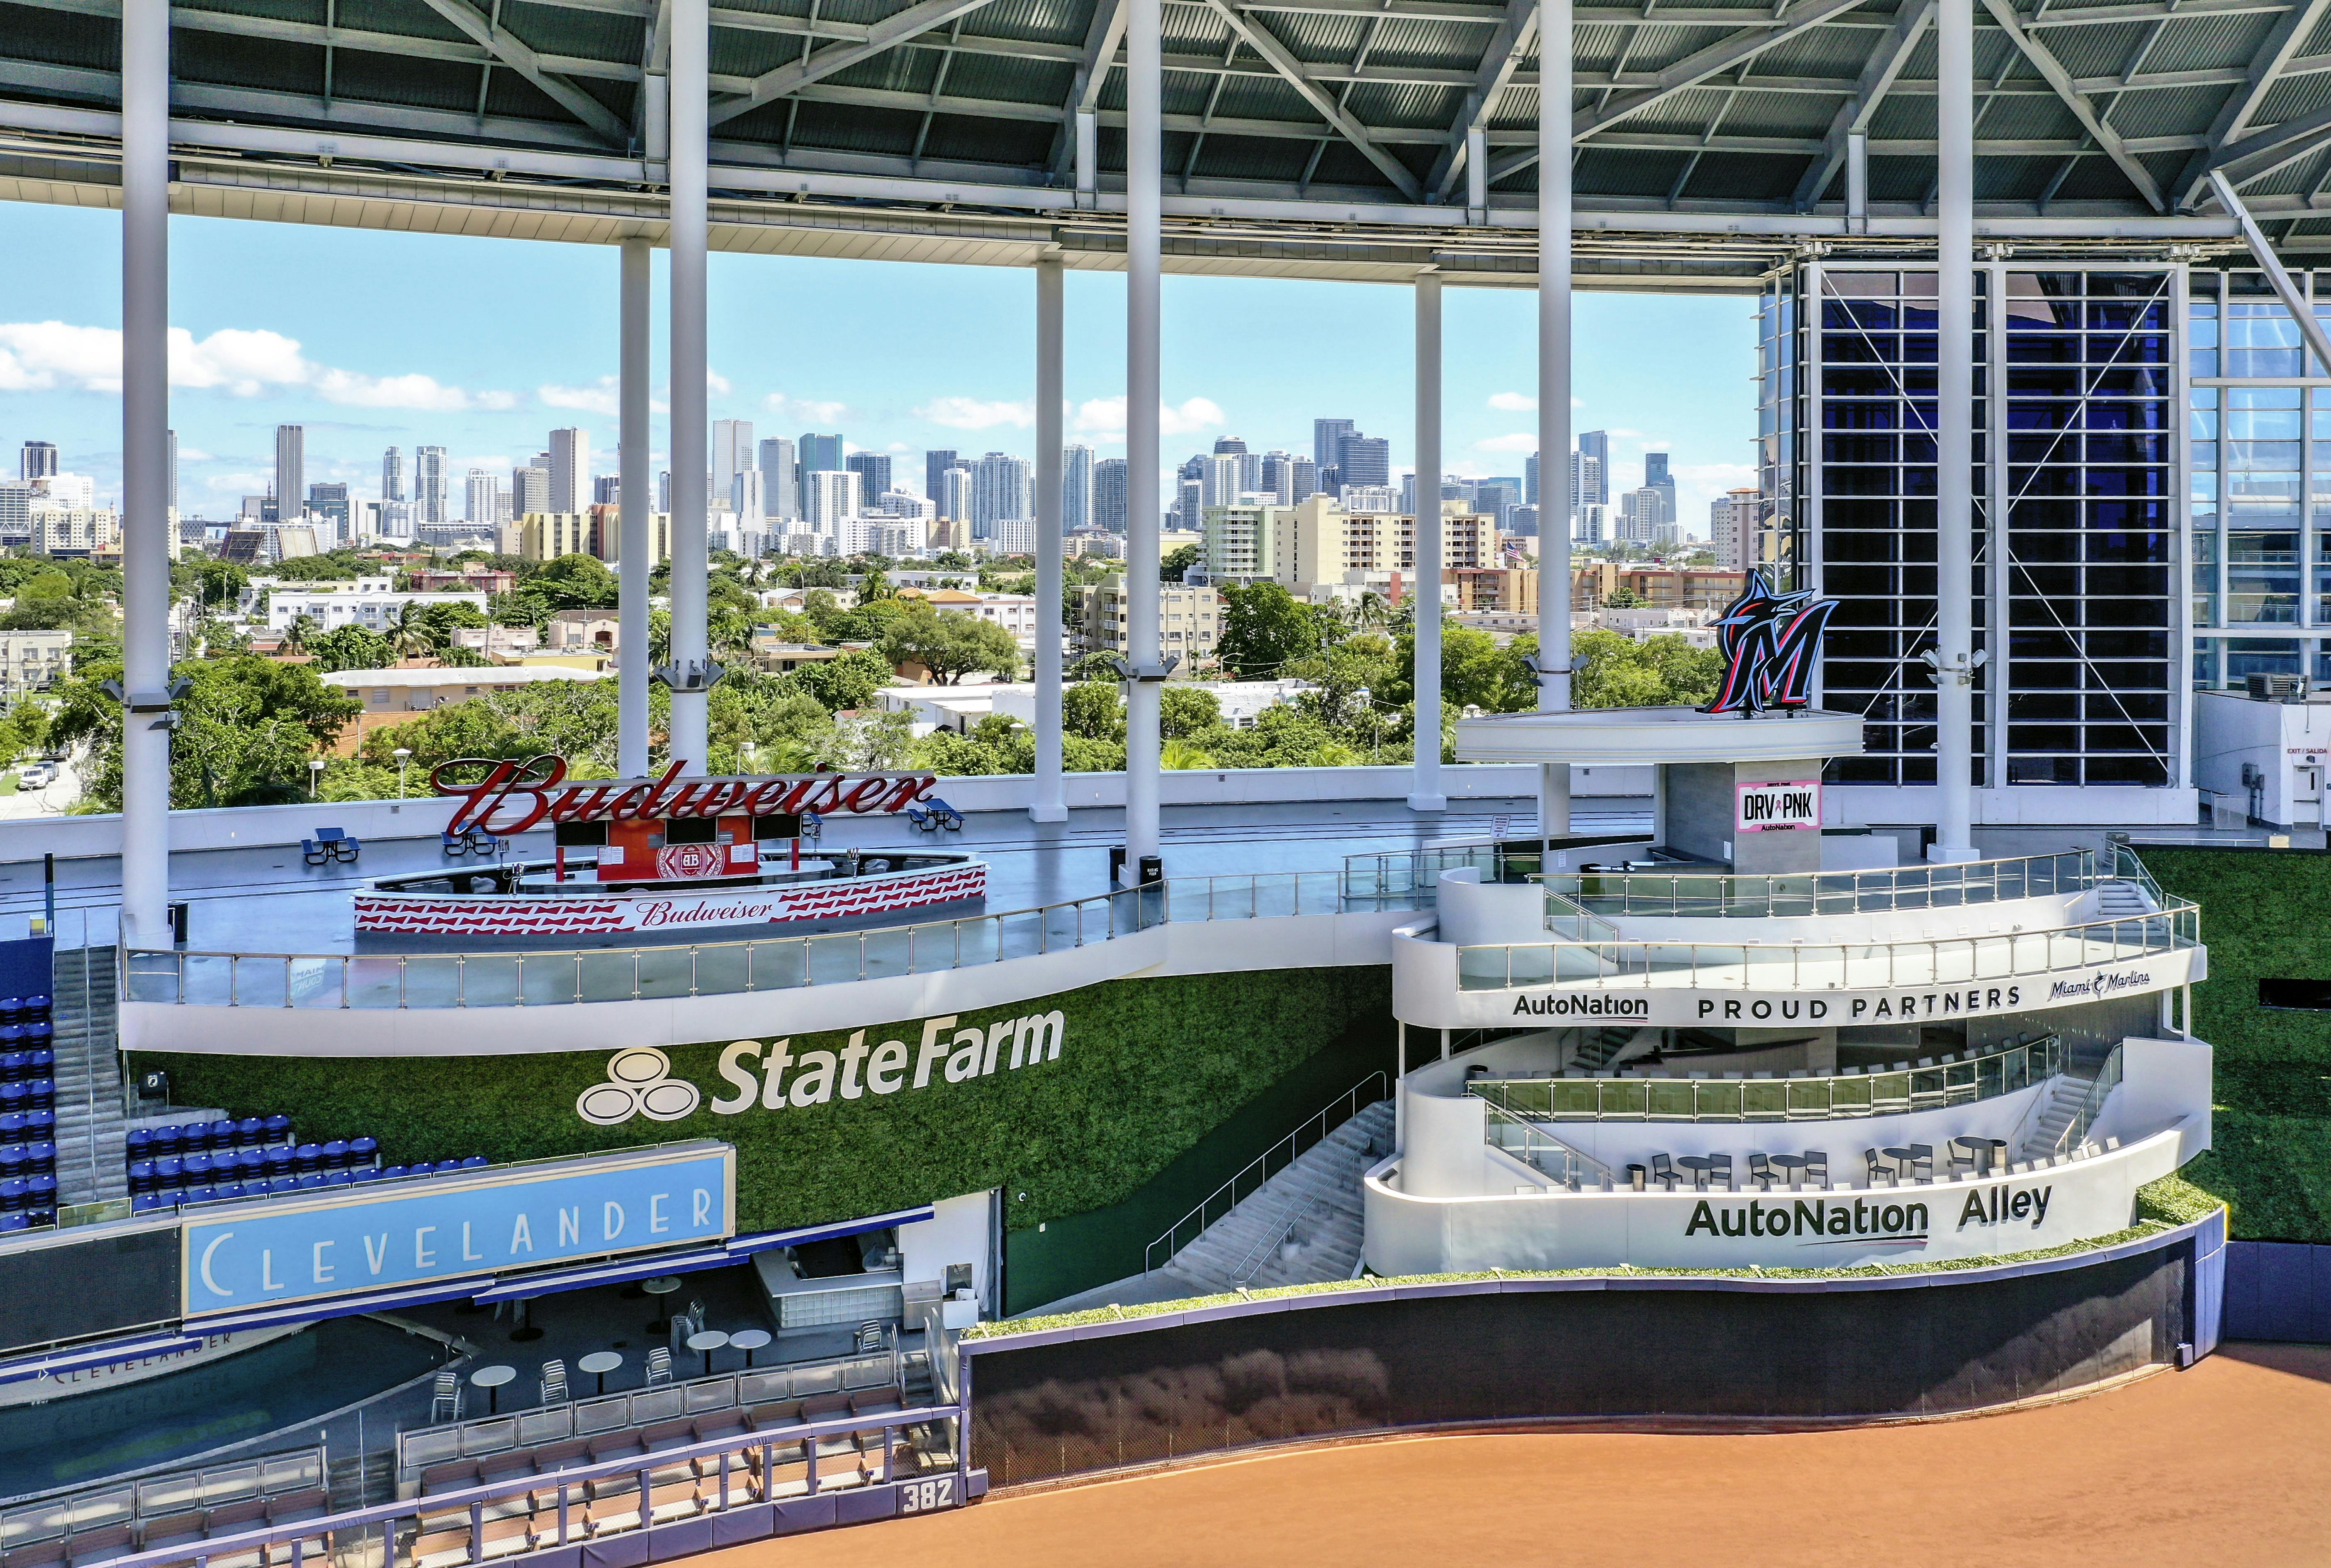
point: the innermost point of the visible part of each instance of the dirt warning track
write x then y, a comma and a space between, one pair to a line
2228, 1464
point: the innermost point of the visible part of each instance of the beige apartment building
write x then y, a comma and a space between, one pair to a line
546, 536
1189, 619
1316, 541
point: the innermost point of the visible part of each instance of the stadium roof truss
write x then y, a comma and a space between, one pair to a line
1314, 138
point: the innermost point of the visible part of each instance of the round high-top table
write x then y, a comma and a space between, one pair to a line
706, 1341
599, 1364
490, 1379
661, 1287
748, 1340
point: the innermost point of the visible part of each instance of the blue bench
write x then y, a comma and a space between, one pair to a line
328, 845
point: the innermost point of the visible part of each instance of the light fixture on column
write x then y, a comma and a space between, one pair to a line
690, 677
163, 702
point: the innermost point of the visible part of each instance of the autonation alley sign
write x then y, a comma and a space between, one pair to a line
1629, 1001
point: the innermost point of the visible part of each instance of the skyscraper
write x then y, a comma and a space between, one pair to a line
607, 491
38, 459
1227, 445
570, 471
820, 455
1303, 481
1656, 478
530, 489
1191, 513
1587, 480
747, 497
935, 463
829, 499
329, 501
1327, 441
955, 495
1003, 491
732, 453
780, 482
1219, 481
1529, 480
290, 470
479, 490
392, 475
1108, 494
873, 472
1075, 488
1367, 459
1596, 444
428, 485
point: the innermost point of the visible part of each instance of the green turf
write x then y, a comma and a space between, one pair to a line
2266, 914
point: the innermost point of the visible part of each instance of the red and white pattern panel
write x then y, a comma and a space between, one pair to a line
551, 915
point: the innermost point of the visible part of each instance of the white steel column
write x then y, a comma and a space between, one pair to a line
1144, 244
1555, 94
691, 443
1955, 436
145, 472
1048, 806
1424, 791
635, 554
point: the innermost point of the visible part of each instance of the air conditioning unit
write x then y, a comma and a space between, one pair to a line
2276, 687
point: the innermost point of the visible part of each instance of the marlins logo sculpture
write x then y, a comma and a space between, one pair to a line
1768, 641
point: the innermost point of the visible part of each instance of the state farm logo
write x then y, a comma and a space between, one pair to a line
638, 1083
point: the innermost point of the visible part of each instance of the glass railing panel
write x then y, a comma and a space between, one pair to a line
550, 979
1668, 1100
722, 969
1763, 1100
1624, 1098
1718, 1100
611, 977
1809, 1098
1849, 1096
1486, 968
1889, 1093
1571, 1100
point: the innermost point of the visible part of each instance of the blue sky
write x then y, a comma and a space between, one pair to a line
376, 340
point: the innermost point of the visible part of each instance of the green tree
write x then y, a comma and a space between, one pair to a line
1265, 628
575, 582
842, 684
1093, 711
949, 646
349, 647
1186, 712
247, 726
1177, 561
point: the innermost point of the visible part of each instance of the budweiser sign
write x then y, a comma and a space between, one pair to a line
509, 797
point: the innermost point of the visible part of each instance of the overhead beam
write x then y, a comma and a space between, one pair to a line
1700, 64
1265, 42
1095, 58
2052, 71
1500, 57
513, 50
2234, 117
2286, 288
883, 35
1877, 79
2262, 152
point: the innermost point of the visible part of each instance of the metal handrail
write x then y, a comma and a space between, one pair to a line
1263, 1162
1535, 1141
1892, 1091
365, 980
1683, 890
2092, 1105
1490, 967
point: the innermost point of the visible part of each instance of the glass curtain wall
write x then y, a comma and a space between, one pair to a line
2076, 533
2259, 433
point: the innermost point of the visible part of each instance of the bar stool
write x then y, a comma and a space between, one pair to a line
335, 1155
277, 1128
308, 1158
250, 1133
364, 1152
40, 1155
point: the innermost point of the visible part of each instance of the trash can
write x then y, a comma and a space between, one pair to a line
1635, 1177
1153, 870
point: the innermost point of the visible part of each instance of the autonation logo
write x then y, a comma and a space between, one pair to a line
1562, 1005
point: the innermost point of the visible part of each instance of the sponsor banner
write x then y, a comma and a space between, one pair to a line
1630, 1002
386, 1234
1768, 808
560, 914
112, 1374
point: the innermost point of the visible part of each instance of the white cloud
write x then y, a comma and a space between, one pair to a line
973, 413
50, 355
715, 383
1103, 418
599, 399
1512, 402
239, 484
1523, 442
193, 454
807, 410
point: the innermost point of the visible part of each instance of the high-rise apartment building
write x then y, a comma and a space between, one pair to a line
1327, 437
1219, 481
1529, 480
780, 479
1190, 507
290, 470
1229, 446
1075, 488
392, 475
748, 498
1108, 495
428, 486
327, 502
937, 462
1596, 444
873, 469
37, 460
570, 469
607, 491
479, 491
830, 499
820, 455
1365, 459
1656, 478
1003, 490
732, 453
531, 491
1731, 523
1587, 483
955, 497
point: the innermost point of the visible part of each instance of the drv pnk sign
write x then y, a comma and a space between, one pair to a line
1765, 808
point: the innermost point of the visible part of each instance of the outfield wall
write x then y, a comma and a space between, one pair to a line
1621, 1351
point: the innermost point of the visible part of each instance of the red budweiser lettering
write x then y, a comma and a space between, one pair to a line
509, 797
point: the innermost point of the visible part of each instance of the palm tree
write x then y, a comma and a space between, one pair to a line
1370, 615
409, 634
299, 633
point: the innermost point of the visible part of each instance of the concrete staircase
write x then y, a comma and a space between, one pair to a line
91, 1125
2122, 901
1596, 1049
1303, 1225
2057, 1109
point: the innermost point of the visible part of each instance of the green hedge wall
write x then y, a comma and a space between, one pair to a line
2266, 914
1147, 1068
